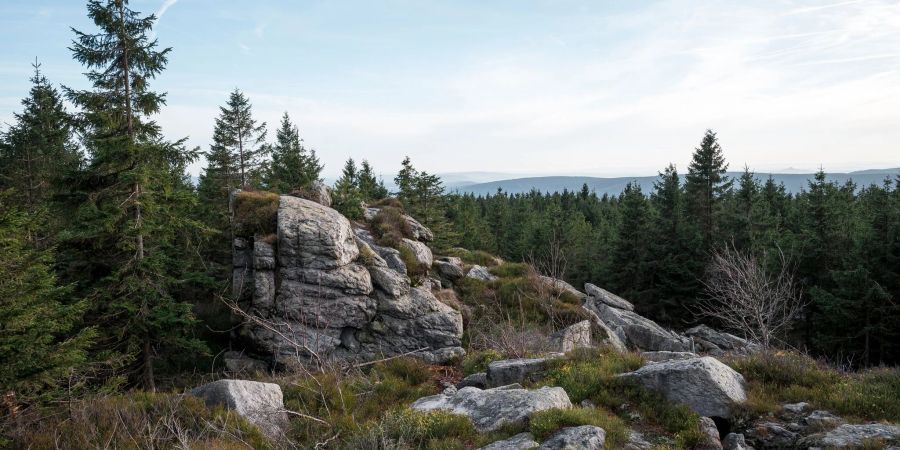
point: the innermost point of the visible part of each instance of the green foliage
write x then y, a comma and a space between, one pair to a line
706, 185
408, 429
477, 361
423, 196
39, 343
479, 257
370, 188
255, 212
347, 198
390, 227
776, 378
292, 167
510, 270
139, 420
544, 423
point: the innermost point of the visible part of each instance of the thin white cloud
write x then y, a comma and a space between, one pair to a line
164, 7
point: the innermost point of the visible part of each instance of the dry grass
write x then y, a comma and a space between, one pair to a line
390, 227
255, 212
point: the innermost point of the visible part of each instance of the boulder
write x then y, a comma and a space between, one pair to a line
262, 404
667, 356
478, 380
318, 192
612, 337
606, 297
419, 251
491, 409
562, 286
735, 441
822, 420
390, 255
509, 371
481, 273
795, 408
709, 435
238, 362
449, 268
521, 441
572, 337
587, 437
708, 340
418, 231
313, 236
635, 331
855, 436
707, 386
772, 435
636, 441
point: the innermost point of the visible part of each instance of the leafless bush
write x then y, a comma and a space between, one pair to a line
746, 298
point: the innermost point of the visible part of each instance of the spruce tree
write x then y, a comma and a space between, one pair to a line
238, 146
38, 150
346, 197
292, 166
370, 188
706, 185
630, 265
405, 180
122, 245
39, 346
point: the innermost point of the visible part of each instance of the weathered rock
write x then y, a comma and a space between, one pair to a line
735, 441
521, 441
636, 441
636, 331
239, 363
667, 356
481, 273
318, 192
772, 435
563, 286
715, 342
612, 337
390, 255
419, 251
709, 435
855, 436
509, 371
586, 437
478, 380
419, 232
795, 408
822, 420
607, 297
262, 404
449, 268
490, 409
572, 337
707, 386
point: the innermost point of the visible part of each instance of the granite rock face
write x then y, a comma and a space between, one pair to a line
855, 436
490, 409
585, 437
707, 386
481, 273
607, 297
635, 331
325, 290
574, 336
521, 441
708, 340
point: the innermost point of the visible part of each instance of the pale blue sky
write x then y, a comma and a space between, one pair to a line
537, 87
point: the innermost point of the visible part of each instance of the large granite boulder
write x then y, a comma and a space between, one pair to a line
708, 340
735, 441
262, 404
709, 435
667, 356
635, 331
419, 251
449, 268
521, 441
491, 409
606, 297
707, 386
322, 290
585, 437
509, 371
856, 436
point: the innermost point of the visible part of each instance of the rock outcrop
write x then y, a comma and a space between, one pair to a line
521, 441
586, 437
320, 289
481, 273
604, 296
490, 409
574, 336
667, 356
635, 331
262, 404
707, 386
714, 342
562, 286
509, 371
856, 436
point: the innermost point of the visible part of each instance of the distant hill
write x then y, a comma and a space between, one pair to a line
793, 182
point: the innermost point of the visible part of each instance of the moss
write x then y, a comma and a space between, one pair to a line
255, 212
545, 423
776, 378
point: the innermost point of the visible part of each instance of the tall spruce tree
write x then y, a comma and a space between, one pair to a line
706, 185
38, 150
370, 188
346, 197
238, 142
122, 245
630, 265
292, 166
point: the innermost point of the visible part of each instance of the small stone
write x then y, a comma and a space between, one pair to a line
821, 420
735, 441
795, 408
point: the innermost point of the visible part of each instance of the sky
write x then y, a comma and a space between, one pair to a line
606, 88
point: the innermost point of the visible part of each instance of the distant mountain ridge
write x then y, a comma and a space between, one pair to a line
793, 182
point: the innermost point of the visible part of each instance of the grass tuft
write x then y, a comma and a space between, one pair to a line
255, 212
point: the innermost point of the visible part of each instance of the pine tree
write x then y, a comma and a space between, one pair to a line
405, 180
346, 197
127, 205
706, 184
238, 142
292, 167
39, 346
38, 149
629, 266
370, 188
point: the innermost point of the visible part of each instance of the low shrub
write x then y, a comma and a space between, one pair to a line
775, 378
408, 429
390, 227
255, 212
510, 270
414, 269
479, 257
388, 201
545, 423
477, 361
